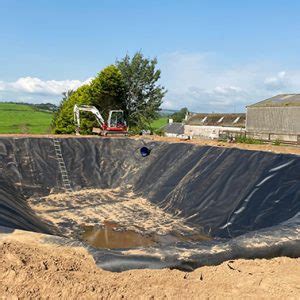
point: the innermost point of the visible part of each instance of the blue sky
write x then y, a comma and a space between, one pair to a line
214, 55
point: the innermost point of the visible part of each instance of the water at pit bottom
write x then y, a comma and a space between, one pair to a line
110, 236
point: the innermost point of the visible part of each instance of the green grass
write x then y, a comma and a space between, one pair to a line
156, 124
276, 143
248, 140
22, 118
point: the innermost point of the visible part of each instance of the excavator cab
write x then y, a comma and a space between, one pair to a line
116, 119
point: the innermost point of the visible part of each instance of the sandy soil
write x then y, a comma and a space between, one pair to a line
69, 212
29, 269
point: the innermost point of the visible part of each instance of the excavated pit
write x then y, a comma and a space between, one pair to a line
183, 206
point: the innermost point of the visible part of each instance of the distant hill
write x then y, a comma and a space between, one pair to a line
167, 112
45, 106
25, 118
41, 106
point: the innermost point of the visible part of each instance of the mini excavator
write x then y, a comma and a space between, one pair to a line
115, 123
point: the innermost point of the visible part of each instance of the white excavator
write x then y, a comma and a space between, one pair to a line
115, 124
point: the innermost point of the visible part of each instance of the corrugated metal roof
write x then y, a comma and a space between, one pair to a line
279, 101
175, 128
231, 120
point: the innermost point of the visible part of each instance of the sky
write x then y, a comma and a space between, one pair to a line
214, 55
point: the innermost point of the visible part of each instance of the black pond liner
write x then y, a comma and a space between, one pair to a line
247, 201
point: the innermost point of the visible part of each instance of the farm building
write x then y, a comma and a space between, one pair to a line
276, 118
212, 125
174, 129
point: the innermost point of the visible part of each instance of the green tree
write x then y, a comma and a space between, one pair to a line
56, 114
106, 91
179, 115
143, 95
63, 121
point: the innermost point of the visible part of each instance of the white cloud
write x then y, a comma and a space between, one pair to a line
203, 82
278, 81
36, 90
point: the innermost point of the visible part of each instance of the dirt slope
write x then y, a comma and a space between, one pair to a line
32, 270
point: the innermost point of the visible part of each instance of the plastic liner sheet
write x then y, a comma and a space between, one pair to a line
247, 201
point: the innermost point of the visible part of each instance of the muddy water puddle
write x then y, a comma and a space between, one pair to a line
111, 236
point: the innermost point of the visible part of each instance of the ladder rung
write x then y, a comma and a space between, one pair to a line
62, 166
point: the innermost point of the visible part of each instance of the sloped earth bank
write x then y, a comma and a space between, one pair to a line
238, 203
29, 269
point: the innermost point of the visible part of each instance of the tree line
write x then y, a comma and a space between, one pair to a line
131, 84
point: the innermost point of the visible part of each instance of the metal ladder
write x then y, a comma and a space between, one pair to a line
62, 166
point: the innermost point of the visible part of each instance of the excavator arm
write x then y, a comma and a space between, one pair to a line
78, 108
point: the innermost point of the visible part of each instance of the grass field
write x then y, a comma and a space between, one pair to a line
22, 118
156, 124
19, 118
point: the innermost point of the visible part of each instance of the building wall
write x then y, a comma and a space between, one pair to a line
292, 138
180, 135
208, 132
273, 120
